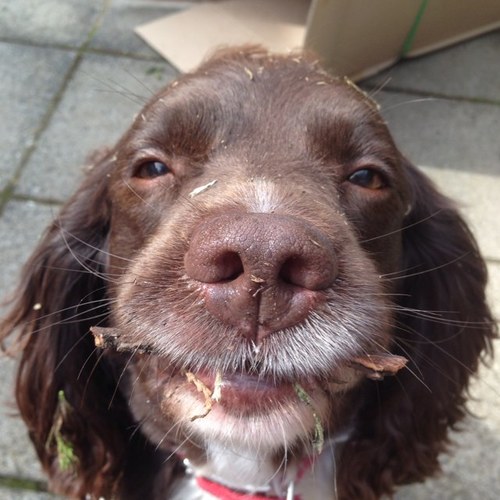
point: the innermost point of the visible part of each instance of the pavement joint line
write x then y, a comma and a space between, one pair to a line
8, 192
36, 199
129, 55
39, 45
15, 482
88, 50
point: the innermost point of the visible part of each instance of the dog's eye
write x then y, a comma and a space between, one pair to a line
152, 169
368, 178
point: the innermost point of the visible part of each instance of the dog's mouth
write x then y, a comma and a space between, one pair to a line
246, 392
242, 392
260, 402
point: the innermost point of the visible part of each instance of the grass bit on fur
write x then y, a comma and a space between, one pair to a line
319, 433
66, 456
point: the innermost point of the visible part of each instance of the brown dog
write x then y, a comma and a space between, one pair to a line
256, 250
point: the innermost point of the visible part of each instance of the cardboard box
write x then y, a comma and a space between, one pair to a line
352, 37
186, 38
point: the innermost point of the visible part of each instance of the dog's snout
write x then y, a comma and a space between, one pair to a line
260, 272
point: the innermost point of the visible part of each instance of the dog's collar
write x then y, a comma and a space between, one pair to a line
273, 491
278, 490
223, 492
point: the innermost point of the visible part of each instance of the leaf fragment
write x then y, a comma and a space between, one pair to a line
377, 366
209, 395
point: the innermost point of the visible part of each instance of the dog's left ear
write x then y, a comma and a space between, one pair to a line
444, 307
444, 327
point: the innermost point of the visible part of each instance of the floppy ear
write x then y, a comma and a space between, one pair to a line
444, 327
65, 392
445, 321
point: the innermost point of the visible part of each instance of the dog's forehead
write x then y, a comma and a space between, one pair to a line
267, 97
279, 85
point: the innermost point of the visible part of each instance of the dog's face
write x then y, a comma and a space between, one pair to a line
265, 203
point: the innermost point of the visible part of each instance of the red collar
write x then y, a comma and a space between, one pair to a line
224, 493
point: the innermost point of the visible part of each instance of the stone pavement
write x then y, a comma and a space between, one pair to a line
74, 74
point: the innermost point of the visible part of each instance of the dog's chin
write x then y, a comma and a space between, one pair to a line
248, 411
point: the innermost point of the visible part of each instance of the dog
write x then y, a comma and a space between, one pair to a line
254, 294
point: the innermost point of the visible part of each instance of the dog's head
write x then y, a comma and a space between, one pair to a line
265, 200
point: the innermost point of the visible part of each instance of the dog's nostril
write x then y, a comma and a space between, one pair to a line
229, 266
311, 271
208, 263
293, 272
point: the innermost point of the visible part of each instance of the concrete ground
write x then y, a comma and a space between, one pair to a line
74, 74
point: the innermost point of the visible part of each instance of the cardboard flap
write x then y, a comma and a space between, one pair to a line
186, 38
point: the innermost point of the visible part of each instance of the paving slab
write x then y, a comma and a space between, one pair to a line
17, 456
478, 198
451, 134
467, 70
31, 76
60, 22
99, 105
116, 32
21, 225
467, 474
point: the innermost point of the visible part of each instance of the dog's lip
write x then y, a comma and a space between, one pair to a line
246, 392
245, 381
242, 382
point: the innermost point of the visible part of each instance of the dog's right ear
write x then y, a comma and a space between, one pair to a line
63, 388
68, 263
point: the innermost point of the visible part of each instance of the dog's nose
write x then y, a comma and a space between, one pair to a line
260, 272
